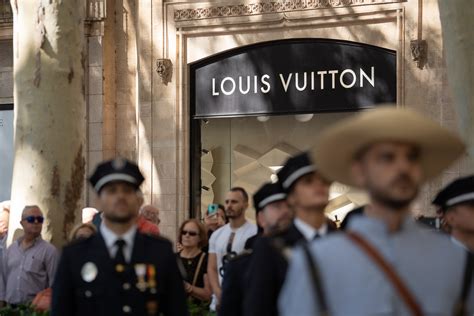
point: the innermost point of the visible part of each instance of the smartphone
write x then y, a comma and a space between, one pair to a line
212, 209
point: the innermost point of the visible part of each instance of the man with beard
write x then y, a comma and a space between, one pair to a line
118, 271
229, 240
385, 264
456, 203
307, 195
272, 214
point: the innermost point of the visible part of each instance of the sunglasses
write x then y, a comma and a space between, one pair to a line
33, 219
190, 233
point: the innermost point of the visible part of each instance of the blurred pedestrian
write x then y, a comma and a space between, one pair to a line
82, 231
456, 203
118, 271
148, 220
229, 240
385, 262
307, 193
151, 213
4, 220
273, 215
214, 218
192, 235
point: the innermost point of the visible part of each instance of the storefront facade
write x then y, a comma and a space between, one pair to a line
141, 99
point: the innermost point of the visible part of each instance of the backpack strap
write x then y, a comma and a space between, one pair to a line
461, 309
389, 272
315, 277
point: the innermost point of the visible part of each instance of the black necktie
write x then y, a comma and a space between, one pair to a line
119, 256
316, 236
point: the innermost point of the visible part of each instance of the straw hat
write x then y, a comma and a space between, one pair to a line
338, 145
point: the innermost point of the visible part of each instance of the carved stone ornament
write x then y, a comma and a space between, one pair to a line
164, 68
419, 51
263, 7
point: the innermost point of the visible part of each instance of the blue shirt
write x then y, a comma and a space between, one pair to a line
25, 272
430, 265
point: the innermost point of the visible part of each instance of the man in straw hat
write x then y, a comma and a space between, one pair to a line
385, 264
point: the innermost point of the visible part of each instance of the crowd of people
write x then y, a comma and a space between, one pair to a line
293, 261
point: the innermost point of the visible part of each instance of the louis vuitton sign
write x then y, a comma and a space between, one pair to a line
293, 76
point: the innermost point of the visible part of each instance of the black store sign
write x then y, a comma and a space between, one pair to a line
293, 77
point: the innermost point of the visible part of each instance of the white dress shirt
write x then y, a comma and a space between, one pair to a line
309, 231
110, 238
460, 244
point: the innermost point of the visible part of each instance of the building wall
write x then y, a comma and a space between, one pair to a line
186, 31
133, 113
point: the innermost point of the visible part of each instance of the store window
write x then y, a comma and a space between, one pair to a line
255, 106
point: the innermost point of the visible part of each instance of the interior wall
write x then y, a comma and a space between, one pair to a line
247, 152
187, 30
238, 145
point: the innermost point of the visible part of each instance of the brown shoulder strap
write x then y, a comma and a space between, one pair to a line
461, 307
315, 277
389, 272
198, 268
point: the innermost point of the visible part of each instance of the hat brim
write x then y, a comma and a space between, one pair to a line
338, 145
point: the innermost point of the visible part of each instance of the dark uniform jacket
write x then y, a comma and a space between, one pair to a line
267, 270
234, 281
88, 284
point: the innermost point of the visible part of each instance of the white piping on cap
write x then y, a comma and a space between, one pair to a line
460, 198
297, 174
114, 177
271, 199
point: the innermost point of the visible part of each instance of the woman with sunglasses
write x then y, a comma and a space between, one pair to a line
193, 261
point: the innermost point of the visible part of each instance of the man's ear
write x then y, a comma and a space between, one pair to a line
96, 202
290, 199
449, 217
261, 219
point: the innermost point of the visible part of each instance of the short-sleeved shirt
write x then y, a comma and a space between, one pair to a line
220, 239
